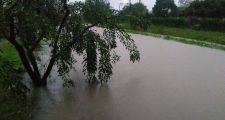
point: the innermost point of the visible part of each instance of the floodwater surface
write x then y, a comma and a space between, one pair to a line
172, 81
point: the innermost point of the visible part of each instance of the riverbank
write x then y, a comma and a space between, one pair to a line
9, 53
12, 107
185, 35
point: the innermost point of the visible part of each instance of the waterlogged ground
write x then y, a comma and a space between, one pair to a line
173, 81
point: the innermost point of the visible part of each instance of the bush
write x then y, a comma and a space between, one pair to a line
208, 24
206, 8
139, 23
170, 21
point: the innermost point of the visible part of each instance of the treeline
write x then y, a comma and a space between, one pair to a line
197, 14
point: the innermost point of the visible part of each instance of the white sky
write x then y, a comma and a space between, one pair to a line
115, 3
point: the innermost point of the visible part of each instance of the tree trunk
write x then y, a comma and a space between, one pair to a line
39, 82
33, 73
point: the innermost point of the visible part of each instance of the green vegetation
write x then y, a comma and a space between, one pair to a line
14, 105
26, 24
136, 15
9, 53
209, 36
206, 8
186, 35
164, 8
194, 22
212, 24
197, 15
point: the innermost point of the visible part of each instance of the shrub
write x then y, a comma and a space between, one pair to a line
139, 23
208, 24
170, 21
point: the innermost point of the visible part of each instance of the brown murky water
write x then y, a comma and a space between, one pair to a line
173, 81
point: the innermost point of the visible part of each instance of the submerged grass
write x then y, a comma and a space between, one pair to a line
185, 35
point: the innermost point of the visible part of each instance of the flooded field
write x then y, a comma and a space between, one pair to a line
173, 81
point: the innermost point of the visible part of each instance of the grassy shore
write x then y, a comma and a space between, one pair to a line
12, 107
9, 53
203, 38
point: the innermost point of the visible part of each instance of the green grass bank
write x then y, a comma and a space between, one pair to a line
186, 35
9, 53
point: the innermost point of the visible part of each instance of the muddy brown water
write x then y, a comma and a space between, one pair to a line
173, 81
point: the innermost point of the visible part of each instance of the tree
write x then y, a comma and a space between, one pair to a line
25, 24
137, 9
206, 8
164, 8
95, 9
137, 14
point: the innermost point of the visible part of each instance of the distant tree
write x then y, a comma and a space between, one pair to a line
27, 23
137, 14
137, 9
206, 8
164, 8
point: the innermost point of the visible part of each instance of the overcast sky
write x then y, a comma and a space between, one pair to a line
116, 3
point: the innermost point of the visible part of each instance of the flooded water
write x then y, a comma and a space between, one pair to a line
173, 81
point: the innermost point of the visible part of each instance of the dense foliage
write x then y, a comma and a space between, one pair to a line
13, 101
164, 8
97, 10
137, 15
206, 8
25, 24
170, 21
10, 79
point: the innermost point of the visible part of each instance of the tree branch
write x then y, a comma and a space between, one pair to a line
54, 51
19, 48
54, 57
37, 43
72, 42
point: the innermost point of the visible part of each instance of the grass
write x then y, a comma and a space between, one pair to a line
9, 53
209, 36
186, 35
13, 107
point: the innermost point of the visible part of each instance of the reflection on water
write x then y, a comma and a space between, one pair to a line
173, 81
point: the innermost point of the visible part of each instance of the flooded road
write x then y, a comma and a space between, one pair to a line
173, 81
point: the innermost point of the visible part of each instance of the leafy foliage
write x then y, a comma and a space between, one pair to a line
206, 8
25, 24
96, 10
13, 101
10, 79
137, 15
170, 21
